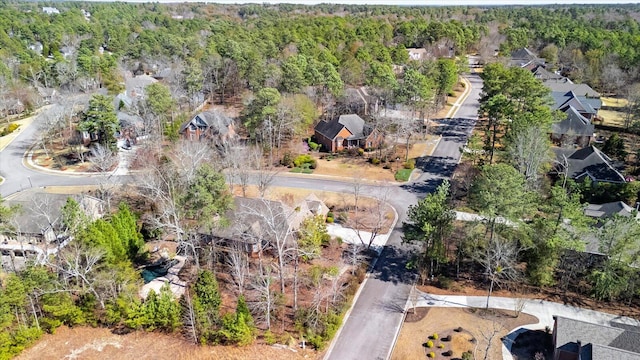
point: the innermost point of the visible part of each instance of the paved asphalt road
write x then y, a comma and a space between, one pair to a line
370, 330
19, 177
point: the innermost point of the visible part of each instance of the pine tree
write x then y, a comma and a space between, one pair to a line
125, 225
206, 305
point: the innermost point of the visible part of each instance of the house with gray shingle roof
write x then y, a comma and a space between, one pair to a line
575, 129
347, 131
587, 162
254, 223
525, 58
607, 210
586, 106
576, 339
568, 86
542, 74
212, 125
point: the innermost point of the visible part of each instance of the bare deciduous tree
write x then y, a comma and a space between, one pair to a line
372, 223
189, 155
499, 259
355, 256
264, 175
276, 228
265, 304
80, 263
189, 318
102, 158
529, 152
519, 305
488, 336
238, 262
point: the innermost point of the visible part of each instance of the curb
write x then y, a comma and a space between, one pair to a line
27, 161
404, 316
456, 105
357, 295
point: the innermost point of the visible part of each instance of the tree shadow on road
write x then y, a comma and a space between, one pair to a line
392, 266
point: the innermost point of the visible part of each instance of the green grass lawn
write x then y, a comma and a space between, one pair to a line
403, 174
298, 170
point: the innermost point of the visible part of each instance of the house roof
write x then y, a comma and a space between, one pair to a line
316, 206
606, 341
523, 54
135, 85
608, 209
249, 219
352, 122
562, 101
568, 86
126, 120
214, 120
539, 72
574, 124
33, 204
589, 161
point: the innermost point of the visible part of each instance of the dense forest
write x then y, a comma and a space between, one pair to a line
288, 65
288, 47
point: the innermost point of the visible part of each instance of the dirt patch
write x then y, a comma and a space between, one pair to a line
81, 343
416, 314
477, 327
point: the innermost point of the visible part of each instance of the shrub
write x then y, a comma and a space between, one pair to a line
287, 159
411, 164
458, 329
467, 355
444, 282
330, 220
375, 161
269, 338
447, 338
431, 355
435, 336
301, 160
360, 151
313, 145
448, 353
440, 346
9, 129
429, 344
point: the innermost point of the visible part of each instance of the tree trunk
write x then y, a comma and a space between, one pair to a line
490, 291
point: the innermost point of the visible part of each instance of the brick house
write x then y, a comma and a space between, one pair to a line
347, 132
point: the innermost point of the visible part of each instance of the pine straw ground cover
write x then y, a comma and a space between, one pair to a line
86, 343
477, 325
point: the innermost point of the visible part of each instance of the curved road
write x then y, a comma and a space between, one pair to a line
370, 330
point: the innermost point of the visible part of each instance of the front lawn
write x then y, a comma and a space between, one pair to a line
299, 170
403, 174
